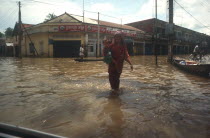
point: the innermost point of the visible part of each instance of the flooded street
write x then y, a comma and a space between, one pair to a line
72, 99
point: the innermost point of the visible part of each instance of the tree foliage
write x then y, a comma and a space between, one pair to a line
8, 32
50, 16
1, 34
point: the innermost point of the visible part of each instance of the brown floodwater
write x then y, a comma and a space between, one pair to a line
72, 99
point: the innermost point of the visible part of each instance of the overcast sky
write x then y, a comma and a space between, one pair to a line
196, 15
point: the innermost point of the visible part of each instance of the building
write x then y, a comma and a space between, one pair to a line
2, 46
15, 37
63, 36
184, 39
7, 47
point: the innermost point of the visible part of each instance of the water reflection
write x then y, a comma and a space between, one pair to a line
112, 112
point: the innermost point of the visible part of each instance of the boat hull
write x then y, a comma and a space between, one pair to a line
198, 69
87, 60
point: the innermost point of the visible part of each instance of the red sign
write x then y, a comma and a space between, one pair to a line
94, 28
73, 28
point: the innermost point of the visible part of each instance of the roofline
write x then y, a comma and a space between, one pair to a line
141, 20
54, 18
44, 22
84, 23
167, 22
119, 25
73, 17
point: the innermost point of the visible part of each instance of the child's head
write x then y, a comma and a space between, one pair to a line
118, 38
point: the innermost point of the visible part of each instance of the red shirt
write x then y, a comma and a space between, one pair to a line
119, 53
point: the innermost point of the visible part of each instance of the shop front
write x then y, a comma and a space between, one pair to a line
64, 39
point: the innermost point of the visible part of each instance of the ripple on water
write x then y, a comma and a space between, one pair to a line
73, 99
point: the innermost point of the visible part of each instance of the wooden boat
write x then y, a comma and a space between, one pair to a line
87, 60
193, 67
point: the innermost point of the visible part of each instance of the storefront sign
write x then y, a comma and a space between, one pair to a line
129, 33
73, 28
114, 30
108, 30
94, 28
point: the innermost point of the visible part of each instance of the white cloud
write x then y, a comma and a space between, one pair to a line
106, 12
36, 13
102, 7
147, 11
198, 10
144, 12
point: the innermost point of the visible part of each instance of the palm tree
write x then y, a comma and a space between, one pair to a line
50, 16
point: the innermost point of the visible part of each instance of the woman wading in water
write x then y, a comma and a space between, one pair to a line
118, 52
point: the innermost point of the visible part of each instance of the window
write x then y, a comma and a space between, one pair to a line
31, 48
41, 47
90, 48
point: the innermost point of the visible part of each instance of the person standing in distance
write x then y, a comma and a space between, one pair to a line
119, 54
81, 52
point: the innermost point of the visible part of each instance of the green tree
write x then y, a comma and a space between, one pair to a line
8, 32
50, 16
1, 34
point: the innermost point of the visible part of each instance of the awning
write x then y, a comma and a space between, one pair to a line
9, 44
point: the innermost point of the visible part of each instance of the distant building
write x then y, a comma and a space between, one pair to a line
6, 47
15, 37
184, 39
2, 46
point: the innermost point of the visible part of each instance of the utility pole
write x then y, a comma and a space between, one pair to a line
155, 32
98, 39
83, 12
31, 41
171, 32
19, 30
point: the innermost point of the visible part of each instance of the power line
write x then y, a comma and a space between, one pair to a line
42, 2
191, 15
4, 22
203, 7
51, 4
109, 16
91, 11
77, 9
207, 2
57, 4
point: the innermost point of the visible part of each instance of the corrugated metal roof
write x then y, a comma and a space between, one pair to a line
27, 25
64, 18
71, 18
86, 20
76, 18
119, 26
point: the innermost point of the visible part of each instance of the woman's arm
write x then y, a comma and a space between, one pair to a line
128, 60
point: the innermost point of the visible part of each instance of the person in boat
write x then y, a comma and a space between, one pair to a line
81, 52
119, 53
196, 52
203, 49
